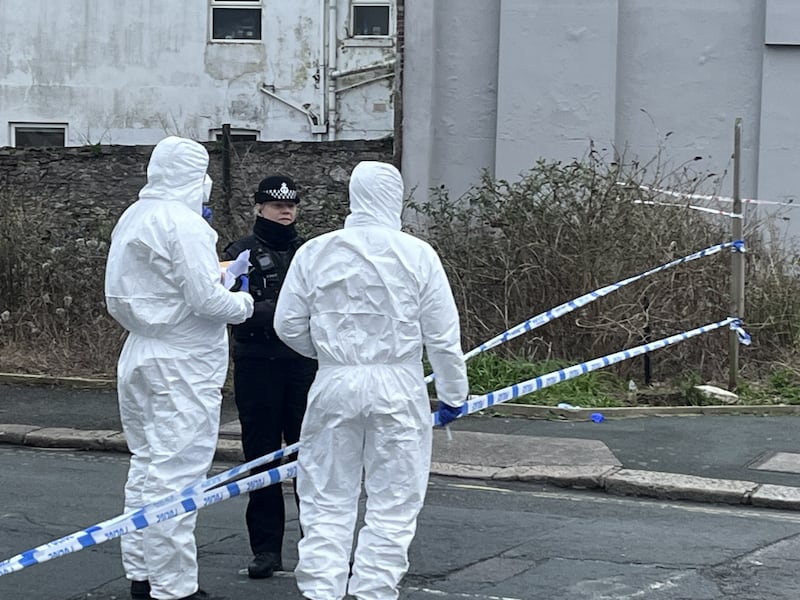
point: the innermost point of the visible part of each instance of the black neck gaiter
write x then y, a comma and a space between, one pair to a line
273, 234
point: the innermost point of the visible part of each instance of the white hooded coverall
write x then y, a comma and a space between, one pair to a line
163, 286
364, 301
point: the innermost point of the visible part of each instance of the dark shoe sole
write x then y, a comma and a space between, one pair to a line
264, 565
260, 574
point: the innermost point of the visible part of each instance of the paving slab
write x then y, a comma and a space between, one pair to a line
229, 450
501, 450
230, 429
786, 462
15, 434
776, 496
631, 482
579, 477
63, 437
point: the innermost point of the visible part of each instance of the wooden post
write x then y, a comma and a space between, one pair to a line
737, 259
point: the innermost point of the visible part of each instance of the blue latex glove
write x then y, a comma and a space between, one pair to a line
448, 414
207, 214
242, 284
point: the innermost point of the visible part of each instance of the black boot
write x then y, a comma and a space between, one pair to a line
264, 565
140, 590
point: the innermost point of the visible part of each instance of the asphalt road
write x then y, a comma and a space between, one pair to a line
476, 541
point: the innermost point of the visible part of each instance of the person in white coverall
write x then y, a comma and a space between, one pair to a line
163, 286
364, 301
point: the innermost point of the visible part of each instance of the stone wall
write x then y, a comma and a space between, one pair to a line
89, 187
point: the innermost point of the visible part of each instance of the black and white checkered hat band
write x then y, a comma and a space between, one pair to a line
282, 193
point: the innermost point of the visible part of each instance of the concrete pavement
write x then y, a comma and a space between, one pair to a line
730, 454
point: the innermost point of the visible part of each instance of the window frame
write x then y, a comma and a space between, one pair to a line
370, 36
215, 134
43, 126
234, 5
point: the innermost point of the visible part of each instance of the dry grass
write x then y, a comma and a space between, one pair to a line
511, 250
514, 250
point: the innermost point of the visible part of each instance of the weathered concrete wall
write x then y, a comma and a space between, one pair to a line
556, 78
131, 72
450, 92
499, 84
88, 188
691, 68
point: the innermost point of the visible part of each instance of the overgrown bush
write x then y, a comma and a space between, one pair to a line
511, 249
515, 249
52, 311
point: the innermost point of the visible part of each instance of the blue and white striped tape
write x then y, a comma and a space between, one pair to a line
206, 492
512, 333
122, 523
153, 513
169, 508
543, 381
692, 196
567, 307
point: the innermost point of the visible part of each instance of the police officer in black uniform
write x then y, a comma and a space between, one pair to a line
270, 380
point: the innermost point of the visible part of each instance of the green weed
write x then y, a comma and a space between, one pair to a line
489, 372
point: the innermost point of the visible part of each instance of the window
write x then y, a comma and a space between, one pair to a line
235, 20
371, 18
237, 135
32, 135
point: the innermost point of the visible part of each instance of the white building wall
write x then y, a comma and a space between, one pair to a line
779, 147
620, 73
131, 72
691, 68
450, 90
556, 80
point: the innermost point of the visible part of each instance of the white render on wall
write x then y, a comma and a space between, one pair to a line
132, 72
531, 79
559, 93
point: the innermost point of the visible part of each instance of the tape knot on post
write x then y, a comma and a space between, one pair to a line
744, 337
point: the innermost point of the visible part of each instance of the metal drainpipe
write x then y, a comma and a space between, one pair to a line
313, 119
400, 37
364, 69
331, 66
323, 63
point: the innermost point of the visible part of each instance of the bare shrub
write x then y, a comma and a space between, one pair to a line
52, 310
514, 250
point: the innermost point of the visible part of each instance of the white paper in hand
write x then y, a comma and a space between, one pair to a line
239, 266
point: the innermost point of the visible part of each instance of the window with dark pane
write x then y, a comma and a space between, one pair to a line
240, 137
370, 20
28, 137
236, 24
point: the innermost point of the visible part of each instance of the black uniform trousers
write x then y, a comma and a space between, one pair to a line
271, 397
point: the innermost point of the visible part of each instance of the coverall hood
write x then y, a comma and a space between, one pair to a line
177, 172
376, 195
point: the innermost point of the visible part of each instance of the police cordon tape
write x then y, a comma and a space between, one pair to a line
537, 383
170, 508
713, 211
165, 506
693, 196
76, 540
581, 301
512, 333
517, 330
166, 509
